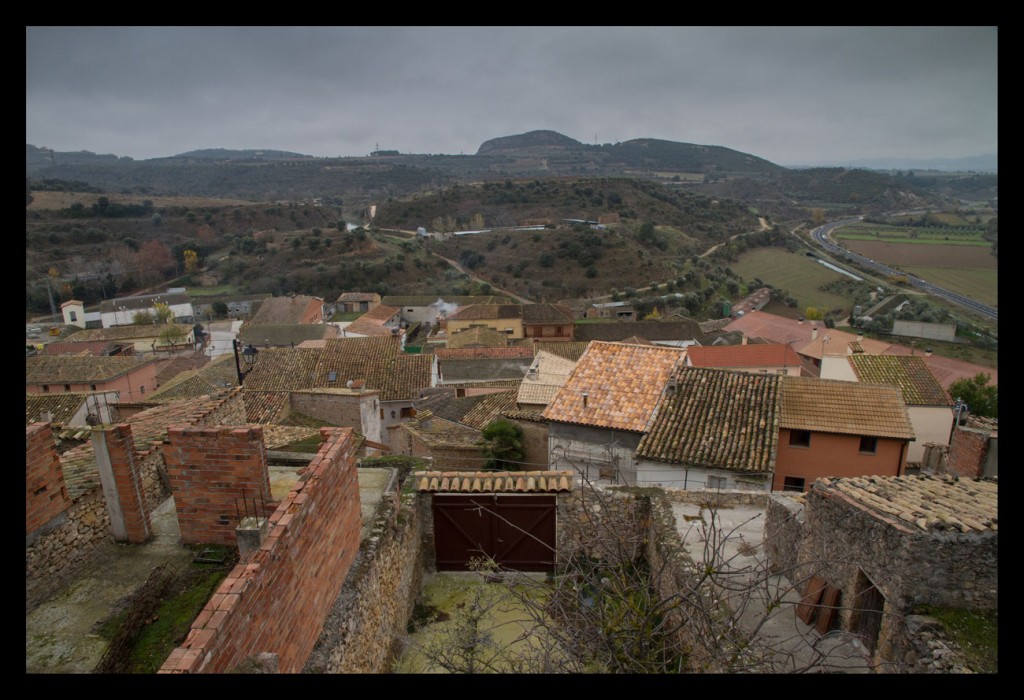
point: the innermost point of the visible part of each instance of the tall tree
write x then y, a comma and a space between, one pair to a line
981, 398
502, 444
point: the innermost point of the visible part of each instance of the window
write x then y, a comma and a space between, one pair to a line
92, 387
46, 389
799, 438
73, 316
868, 445
793, 483
67, 387
716, 482
142, 388
392, 414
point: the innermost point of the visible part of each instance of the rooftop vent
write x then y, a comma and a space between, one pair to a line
585, 395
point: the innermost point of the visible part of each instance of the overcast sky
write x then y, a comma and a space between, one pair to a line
795, 96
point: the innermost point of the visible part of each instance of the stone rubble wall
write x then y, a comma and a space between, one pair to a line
55, 557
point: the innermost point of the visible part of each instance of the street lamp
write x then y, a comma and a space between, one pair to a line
248, 354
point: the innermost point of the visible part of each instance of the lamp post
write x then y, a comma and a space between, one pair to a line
248, 354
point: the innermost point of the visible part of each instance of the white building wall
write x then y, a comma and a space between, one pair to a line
651, 473
931, 424
837, 367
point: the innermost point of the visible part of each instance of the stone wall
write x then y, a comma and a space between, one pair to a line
56, 556
375, 604
719, 498
783, 533
276, 601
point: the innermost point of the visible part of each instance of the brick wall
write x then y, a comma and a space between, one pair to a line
372, 611
127, 485
967, 452
46, 497
215, 473
277, 600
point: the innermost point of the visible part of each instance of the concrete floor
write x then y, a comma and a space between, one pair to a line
59, 633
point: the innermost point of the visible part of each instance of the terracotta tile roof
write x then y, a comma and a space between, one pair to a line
264, 406
144, 301
481, 312
127, 332
623, 384
758, 355
61, 407
382, 313
283, 310
908, 372
358, 296
546, 376
947, 369
284, 334
571, 350
547, 313
636, 340
85, 347
67, 369
831, 341
482, 337
481, 353
366, 327
923, 502
983, 423
169, 369
525, 415
848, 408
440, 434
219, 374
285, 369
491, 384
149, 427
718, 419
489, 408
650, 330
494, 482
459, 371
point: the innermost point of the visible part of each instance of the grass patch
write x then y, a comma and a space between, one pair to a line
157, 618
219, 290
976, 632
956, 351
173, 620
309, 445
980, 285
802, 277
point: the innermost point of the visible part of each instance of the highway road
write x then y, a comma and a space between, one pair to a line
823, 237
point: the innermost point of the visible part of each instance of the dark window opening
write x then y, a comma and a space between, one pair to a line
793, 483
799, 438
869, 445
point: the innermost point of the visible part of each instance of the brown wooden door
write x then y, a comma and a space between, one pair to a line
517, 532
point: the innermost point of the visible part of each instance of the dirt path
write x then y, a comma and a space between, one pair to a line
469, 274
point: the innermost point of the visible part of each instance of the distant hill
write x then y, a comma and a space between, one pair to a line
531, 139
229, 154
37, 158
987, 163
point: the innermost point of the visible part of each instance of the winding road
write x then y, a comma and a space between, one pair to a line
822, 235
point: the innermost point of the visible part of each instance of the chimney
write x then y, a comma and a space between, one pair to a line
744, 341
860, 337
46, 417
585, 399
814, 333
927, 352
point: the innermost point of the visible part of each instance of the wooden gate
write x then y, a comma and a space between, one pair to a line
517, 532
868, 606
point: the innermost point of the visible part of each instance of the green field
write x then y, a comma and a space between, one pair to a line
909, 234
980, 285
798, 274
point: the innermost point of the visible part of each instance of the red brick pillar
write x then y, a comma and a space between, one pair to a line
46, 496
122, 483
967, 451
218, 475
